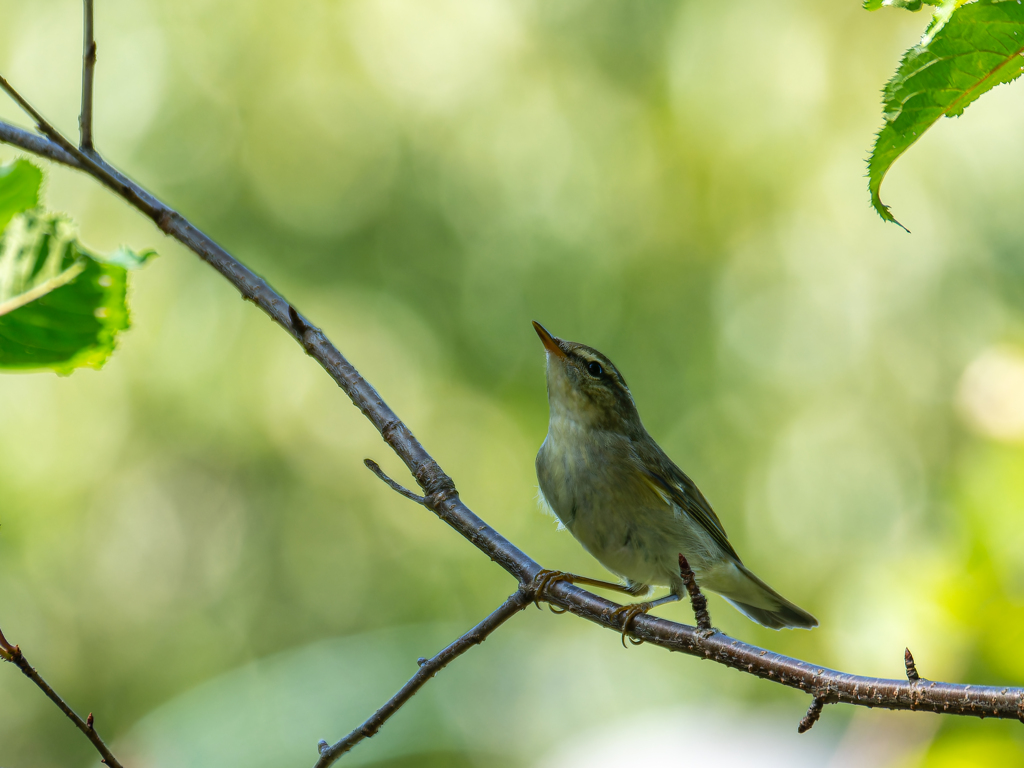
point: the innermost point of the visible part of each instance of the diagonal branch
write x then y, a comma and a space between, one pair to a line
13, 654
428, 668
88, 71
441, 497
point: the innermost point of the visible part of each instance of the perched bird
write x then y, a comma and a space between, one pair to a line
627, 503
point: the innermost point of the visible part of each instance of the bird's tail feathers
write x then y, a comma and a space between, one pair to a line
755, 599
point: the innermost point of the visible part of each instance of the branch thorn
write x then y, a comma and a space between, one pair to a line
908, 659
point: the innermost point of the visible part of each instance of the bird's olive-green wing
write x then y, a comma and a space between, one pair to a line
672, 482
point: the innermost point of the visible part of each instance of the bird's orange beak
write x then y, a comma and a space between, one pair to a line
550, 342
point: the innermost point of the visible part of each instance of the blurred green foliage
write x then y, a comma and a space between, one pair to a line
678, 184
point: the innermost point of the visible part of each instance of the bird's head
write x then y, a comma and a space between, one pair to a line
584, 386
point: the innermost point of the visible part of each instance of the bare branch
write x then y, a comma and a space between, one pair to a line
428, 668
88, 70
41, 122
90, 163
14, 655
373, 467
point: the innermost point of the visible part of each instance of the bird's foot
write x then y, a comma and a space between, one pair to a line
628, 613
545, 579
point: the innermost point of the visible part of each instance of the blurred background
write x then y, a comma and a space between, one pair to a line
190, 546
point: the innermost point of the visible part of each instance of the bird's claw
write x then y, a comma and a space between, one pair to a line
627, 613
545, 579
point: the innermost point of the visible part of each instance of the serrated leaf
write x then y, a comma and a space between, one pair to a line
979, 47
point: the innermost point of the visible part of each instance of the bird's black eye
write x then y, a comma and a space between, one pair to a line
594, 369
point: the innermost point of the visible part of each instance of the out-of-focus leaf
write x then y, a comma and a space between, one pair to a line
61, 307
19, 189
127, 258
978, 48
910, 5
942, 7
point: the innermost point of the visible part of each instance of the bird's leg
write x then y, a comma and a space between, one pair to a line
546, 578
629, 612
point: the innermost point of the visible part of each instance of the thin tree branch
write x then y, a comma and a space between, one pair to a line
37, 145
88, 71
442, 498
428, 668
13, 654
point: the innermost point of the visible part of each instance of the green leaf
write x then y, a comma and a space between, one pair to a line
943, 13
979, 47
19, 189
61, 306
909, 5
127, 258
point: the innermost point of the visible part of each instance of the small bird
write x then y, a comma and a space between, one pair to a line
627, 503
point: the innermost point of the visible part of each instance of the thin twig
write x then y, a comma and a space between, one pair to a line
373, 467
813, 713
90, 163
14, 655
88, 71
698, 602
428, 668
